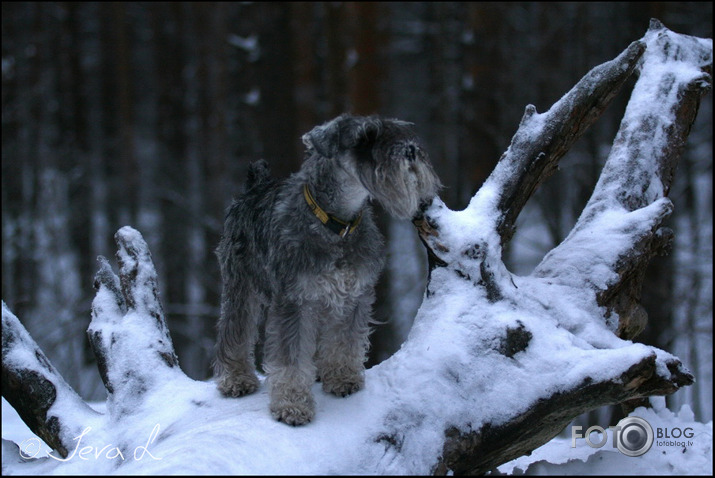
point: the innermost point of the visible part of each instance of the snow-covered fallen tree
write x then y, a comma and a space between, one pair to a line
494, 366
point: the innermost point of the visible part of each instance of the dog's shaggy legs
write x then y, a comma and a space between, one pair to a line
290, 345
342, 348
291, 400
234, 366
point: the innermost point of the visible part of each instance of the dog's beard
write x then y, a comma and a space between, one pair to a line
402, 186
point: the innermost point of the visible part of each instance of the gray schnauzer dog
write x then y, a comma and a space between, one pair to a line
302, 257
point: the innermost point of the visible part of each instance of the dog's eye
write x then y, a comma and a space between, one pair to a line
411, 152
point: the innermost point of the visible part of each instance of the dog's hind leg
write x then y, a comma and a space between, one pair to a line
237, 333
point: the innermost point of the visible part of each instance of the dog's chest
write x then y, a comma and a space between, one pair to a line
338, 281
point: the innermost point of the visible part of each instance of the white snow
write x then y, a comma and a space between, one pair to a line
395, 426
675, 456
214, 436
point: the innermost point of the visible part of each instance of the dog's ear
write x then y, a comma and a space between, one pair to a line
341, 133
324, 139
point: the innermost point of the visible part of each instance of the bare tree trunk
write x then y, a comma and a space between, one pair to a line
277, 111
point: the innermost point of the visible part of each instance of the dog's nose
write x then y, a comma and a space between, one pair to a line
411, 152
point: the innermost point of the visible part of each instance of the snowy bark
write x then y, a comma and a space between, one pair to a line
494, 366
609, 248
640, 169
128, 332
34, 387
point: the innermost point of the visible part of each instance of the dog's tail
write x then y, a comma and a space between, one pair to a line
259, 175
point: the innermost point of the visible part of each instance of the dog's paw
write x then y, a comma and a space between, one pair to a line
238, 385
294, 414
344, 387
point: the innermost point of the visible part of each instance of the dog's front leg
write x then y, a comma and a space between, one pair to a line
289, 349
343, 345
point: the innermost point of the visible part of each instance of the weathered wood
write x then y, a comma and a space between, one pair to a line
480, 451
641, 165
649, 140
127, 311
32, 385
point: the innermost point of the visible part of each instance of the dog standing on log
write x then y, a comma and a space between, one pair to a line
302, 256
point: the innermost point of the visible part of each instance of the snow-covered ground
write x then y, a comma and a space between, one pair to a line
691, 454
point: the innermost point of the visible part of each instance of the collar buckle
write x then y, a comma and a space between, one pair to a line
341, 228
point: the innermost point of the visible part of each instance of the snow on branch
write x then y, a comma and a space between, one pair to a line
629, 202
128, 332
479, 452
566, 299
538, 144
36, 390
543, 139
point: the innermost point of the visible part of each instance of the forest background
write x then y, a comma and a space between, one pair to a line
148, 114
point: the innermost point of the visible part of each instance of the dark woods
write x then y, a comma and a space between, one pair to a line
147, 114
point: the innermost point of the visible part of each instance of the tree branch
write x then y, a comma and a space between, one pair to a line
478, 452
543, 139
36, 390
674, 75
536, 148
128, 332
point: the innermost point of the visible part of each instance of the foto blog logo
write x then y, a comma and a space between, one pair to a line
633, 436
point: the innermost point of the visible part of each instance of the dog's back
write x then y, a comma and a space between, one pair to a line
245, 235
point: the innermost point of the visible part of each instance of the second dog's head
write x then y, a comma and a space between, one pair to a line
385, 154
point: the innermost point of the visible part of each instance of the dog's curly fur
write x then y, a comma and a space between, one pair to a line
311, 287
